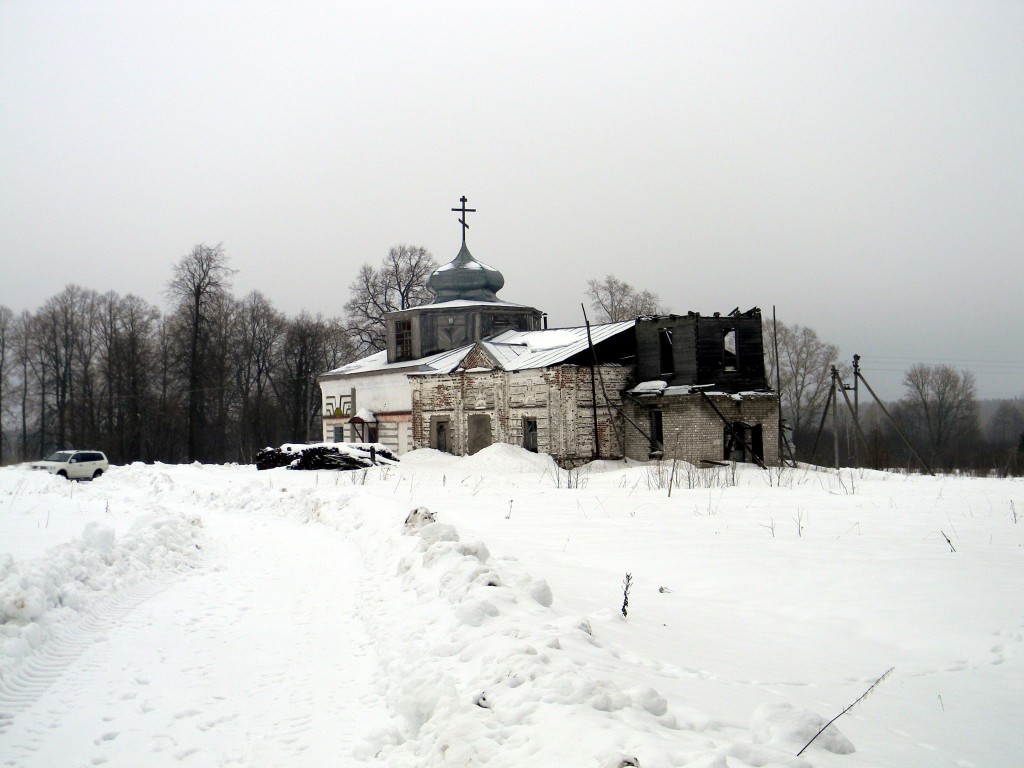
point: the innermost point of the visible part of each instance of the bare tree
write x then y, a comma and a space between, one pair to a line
6, 358
312, 346
66, 324
805, 367
399, 283
614, 300
24, 338
199, 284
167, 435
131, 362
1006, 425
941, 406
256, 351
88, 382
1005, 434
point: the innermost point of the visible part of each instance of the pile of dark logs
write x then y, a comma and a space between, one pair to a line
339, 456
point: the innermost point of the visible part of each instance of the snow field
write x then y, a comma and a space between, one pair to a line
223, 616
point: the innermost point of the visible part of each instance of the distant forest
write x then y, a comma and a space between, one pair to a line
215, 378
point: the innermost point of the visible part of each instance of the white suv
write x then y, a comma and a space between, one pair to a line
74, 465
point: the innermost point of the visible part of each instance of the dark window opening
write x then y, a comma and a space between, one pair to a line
757, 442
668, 366
530, 434
741, 433
339, 433
657, 432
403, 340
729, 357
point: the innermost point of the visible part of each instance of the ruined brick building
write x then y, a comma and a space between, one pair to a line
469, 370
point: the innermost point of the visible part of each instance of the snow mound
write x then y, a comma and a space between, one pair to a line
787, 727
503, 457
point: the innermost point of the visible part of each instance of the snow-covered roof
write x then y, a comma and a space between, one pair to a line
364, 415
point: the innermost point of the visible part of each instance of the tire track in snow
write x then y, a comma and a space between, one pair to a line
26, 682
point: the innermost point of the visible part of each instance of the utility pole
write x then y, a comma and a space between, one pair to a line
856, 407
835, 416
778, 388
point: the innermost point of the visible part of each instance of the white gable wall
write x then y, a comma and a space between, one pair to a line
387, 395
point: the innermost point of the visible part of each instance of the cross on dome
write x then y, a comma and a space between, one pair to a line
463, 210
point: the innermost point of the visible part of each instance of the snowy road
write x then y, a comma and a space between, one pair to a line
214, 666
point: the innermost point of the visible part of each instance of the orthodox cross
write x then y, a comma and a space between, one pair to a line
464, 210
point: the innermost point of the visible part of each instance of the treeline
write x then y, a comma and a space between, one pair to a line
215, 378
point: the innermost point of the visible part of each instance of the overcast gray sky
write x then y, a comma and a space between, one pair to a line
860, 166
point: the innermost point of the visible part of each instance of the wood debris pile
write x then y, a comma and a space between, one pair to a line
325, 456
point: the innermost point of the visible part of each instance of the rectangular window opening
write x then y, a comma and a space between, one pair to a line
729, 357
403, 340
665, 355
657, 432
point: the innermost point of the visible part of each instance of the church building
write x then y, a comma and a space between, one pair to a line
370, 400
470, 369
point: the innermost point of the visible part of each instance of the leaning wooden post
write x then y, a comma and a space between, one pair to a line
821, 426
895, 425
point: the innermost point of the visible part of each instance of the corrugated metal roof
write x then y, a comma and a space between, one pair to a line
522, 350
511, 350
